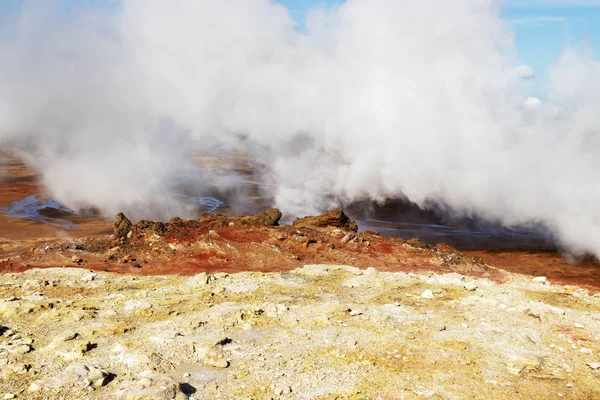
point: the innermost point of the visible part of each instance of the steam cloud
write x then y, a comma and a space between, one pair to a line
373, 98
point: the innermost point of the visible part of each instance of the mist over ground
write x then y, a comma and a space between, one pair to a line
373, 98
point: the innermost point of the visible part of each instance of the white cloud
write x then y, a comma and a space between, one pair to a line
532, 102
521, 72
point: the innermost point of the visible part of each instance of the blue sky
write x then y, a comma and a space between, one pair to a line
542, 28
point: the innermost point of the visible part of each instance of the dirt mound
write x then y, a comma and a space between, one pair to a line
335, 218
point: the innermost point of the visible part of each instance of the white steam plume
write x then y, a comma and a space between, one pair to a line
376, 98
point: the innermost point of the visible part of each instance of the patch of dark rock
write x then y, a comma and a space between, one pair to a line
224, 342
159, 227
51, 212
187, 389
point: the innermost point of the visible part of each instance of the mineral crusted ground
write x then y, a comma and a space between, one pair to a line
316, 332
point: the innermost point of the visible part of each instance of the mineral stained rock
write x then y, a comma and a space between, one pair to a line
270, 217
335, 218
122, 226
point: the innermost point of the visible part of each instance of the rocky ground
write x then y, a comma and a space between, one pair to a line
240, 308
219, 243
316, 332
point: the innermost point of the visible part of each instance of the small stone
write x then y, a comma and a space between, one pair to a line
534, 336
107, 313
576, 325
27, 340
88, 375
35, 386
557, 310
427, 294
22, 349
439, 327
78, 315
519, 361
155, 388
97, 377
200, 279
539, 279
65, 336
83, 347
348, 237
20, 368
246, 327
78, 369
89, 277
217, 362
281, 390
9, 396
593, 365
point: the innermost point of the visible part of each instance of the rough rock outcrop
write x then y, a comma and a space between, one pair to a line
270, 217
122, 226
336, 218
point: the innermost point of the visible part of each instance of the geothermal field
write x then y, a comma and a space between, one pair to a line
252, 307
299, 199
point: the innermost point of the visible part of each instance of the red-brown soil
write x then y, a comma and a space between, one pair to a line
553, 265
218, 243
230, 244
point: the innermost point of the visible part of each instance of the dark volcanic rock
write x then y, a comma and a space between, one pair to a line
122, 226
159, 227
335, 218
